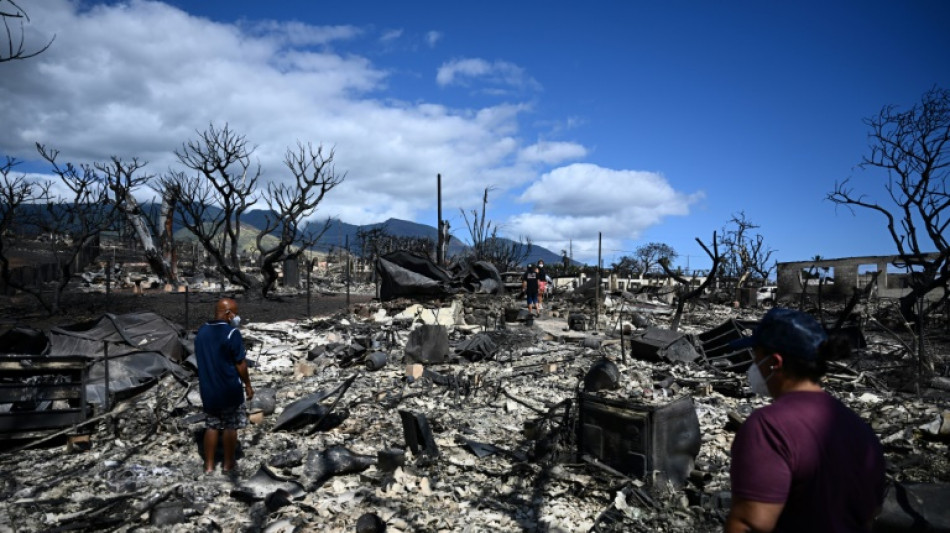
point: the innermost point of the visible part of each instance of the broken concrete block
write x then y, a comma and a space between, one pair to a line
415, 371
442, 316
303, 369
427, 344
409, 313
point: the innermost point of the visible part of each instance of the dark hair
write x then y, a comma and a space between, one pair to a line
835, 347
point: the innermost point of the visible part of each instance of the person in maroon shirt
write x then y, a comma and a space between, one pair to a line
806, 462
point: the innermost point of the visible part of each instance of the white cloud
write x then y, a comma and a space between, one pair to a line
578, 201
433, 37
296, 33
389, 36
138, 79
497, 73
551, 153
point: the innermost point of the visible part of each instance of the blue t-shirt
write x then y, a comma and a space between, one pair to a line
218, 347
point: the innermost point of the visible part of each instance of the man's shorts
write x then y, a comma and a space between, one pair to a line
233, 419
542, 286
532, 299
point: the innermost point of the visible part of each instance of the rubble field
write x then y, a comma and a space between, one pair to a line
354, 433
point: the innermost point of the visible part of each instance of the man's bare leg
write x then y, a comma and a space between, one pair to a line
230, 445
211, 445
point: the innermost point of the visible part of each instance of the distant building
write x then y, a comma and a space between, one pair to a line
845, 275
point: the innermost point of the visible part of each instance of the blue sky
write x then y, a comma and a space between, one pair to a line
643, 121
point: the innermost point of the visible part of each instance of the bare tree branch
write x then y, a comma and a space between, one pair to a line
14, 17
910, 147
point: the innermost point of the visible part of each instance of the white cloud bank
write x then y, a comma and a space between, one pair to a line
139, 78
578, 201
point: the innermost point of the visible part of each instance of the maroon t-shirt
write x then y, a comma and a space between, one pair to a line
809, 450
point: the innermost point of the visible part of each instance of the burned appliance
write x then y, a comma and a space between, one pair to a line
577, 321
657, 344
715, 345
656, 443
41, 394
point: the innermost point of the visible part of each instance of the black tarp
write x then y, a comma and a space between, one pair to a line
481, 277
405, 274
142, 347
402, 274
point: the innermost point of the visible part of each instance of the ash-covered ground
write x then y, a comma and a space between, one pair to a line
504, 461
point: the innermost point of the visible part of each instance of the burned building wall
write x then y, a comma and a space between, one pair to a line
845, 277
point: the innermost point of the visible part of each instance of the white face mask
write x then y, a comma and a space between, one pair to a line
235, 321
757, 382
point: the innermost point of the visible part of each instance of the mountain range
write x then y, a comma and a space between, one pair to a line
336, 236
339, 233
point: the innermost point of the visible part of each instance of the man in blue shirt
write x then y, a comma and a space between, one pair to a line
222, 368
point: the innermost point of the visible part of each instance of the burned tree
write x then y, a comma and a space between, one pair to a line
745, 256
122, 178
290, 207
687, 294
911, 148
16, 191
14, 19
373, 243
212, 202
487, 245
73, 221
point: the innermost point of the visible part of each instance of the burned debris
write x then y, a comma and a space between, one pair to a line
450, 413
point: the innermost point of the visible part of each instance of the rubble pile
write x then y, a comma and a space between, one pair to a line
365, 423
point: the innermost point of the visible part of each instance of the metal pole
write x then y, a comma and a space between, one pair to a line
623, 349
347, 272
440, 243
105, 359
187, 306
597, 316
109, 282
921, 351
309, 268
